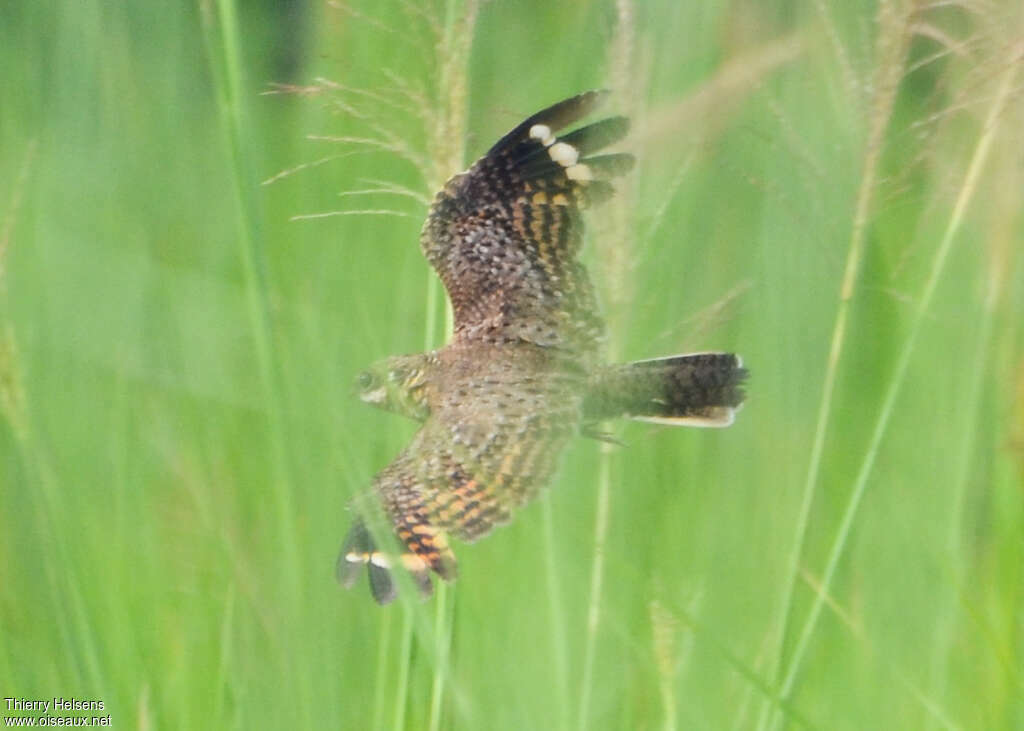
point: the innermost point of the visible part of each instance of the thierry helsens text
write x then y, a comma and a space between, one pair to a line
52, 705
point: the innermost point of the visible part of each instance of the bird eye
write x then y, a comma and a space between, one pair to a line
365, 379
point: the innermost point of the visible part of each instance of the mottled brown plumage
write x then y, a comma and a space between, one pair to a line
523, 372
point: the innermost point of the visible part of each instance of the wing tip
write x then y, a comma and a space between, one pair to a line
359, 550
553, 118
571, 108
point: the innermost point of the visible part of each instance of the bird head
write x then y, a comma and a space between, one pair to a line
396, 384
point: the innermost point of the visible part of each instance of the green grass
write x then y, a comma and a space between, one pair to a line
830, 189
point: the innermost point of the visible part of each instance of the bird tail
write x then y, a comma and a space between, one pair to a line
699, 389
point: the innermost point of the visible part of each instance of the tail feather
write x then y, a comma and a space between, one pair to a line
699, 389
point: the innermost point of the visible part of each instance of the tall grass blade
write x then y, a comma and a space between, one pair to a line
221, 35
966, 193
894, 39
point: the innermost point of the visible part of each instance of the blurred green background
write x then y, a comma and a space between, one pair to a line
179, 438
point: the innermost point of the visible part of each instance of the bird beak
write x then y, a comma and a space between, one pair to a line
377, 396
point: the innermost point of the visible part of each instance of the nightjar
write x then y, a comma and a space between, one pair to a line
523, 373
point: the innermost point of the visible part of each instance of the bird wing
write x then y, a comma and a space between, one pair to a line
491, 445
504, 235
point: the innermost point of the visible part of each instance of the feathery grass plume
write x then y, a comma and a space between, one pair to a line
453, 43
614, 247
702, 115
1002, 73
988, 368
435, 106
672, 642
706, 109
700, 118
894, 32
617, 248
664, 638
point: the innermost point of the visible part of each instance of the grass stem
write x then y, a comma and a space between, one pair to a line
442, 639
453, 51
964, 197
404, 668
559, 650
596, 578
383, 658
892, 53
226, 65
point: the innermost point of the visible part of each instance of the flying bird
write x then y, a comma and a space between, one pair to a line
523, 373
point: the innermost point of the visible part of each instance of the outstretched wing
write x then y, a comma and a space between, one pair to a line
492, 444
504, 235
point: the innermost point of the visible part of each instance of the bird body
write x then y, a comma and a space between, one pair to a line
523, 373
